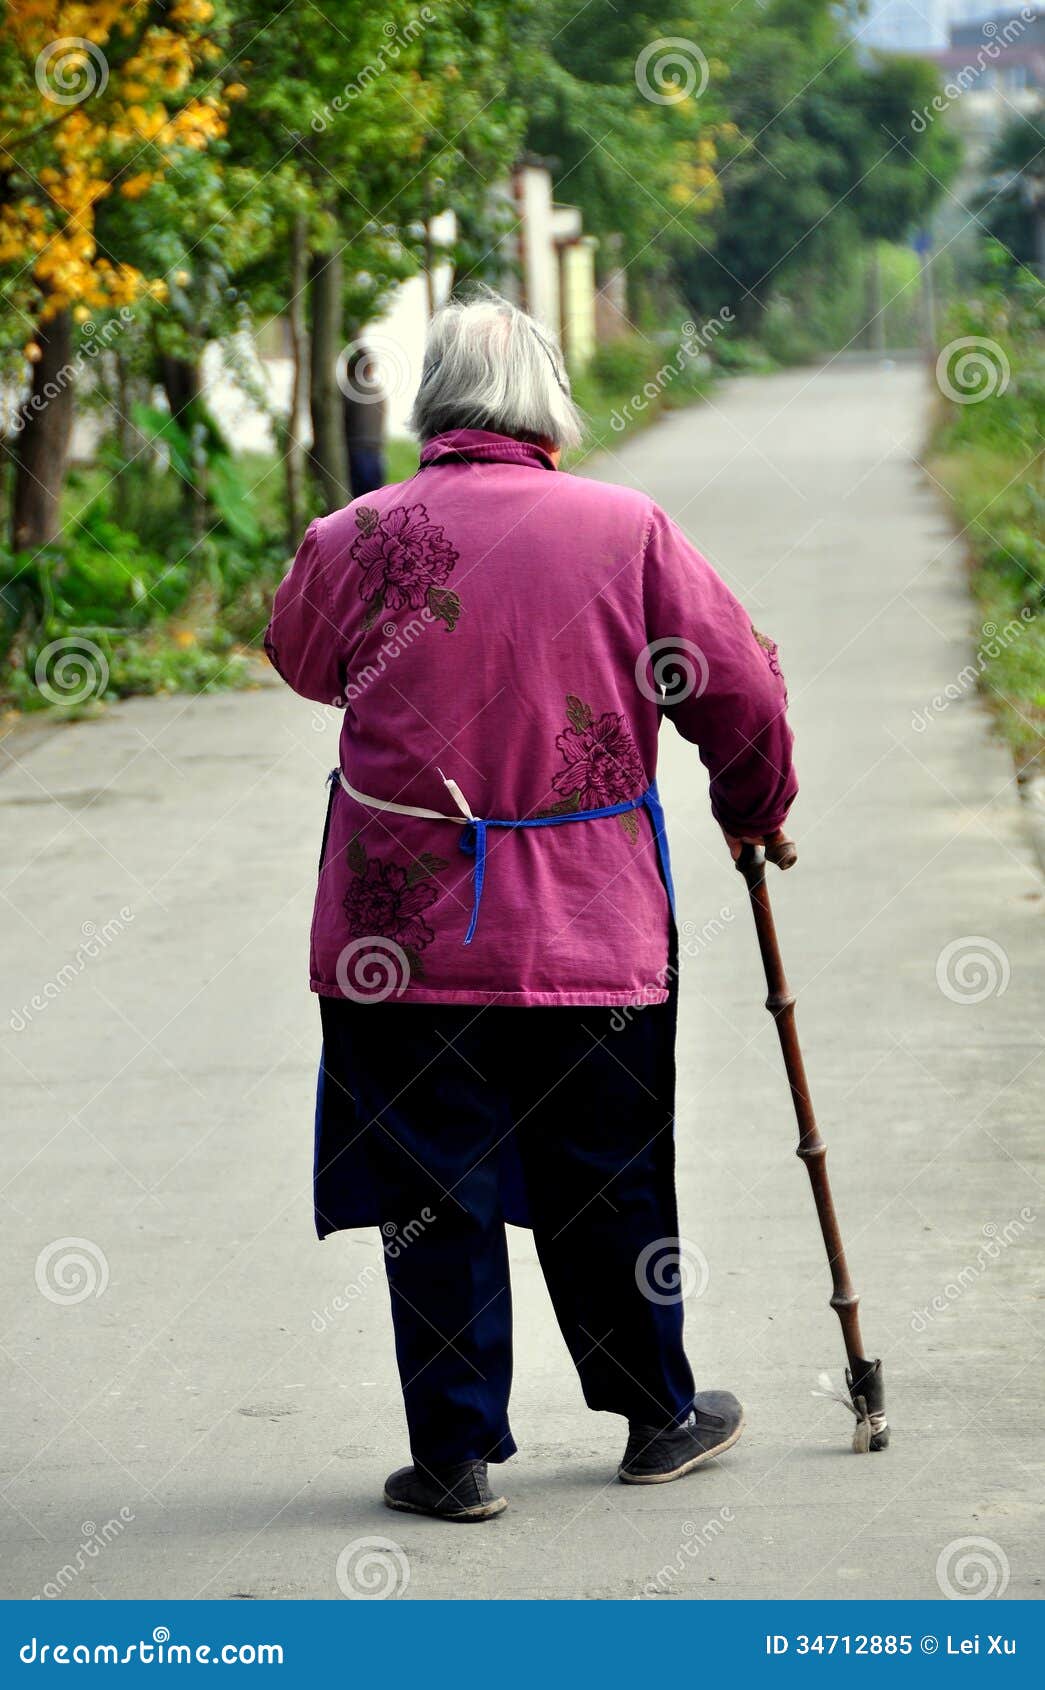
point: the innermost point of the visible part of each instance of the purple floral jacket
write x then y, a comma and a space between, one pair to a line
521, 632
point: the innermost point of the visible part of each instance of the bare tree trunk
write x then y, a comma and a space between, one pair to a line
875, 307
41, 447
329, 452
293, 455
184, 390
124, 437
181, 382
928, 306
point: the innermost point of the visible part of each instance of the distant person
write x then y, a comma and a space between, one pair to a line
365, 408
494, 942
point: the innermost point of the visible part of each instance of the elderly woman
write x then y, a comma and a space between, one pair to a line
494, 890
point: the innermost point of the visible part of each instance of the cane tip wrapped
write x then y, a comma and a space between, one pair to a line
866, 1402
867, 1390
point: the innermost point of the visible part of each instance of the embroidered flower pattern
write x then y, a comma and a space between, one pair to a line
602, 763
405, 561
770, 648
387, 901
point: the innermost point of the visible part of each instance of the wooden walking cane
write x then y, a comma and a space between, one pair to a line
863, 1377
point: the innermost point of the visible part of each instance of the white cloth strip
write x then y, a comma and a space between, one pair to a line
457, 795
387, 804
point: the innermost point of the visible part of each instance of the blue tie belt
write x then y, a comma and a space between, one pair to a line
474, 840
474, 831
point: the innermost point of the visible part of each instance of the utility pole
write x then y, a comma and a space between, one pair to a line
923, 247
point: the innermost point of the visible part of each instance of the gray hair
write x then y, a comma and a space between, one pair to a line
489, 365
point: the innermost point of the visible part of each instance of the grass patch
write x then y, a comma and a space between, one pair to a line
1001, 505
988, 454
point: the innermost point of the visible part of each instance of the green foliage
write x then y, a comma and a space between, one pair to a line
619, 366
367, 129
987, 454
96, 574
635, 166
155, 664
1011, 208
166, 615
834, 306
741, 356
100, 585
1008, 313
200, 458
823, 159
629, 383
161, 665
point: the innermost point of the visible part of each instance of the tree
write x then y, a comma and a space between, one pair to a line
1014, 206
355, 166
625, 105
823, 157
85, 117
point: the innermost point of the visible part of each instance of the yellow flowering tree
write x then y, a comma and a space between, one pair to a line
97, 100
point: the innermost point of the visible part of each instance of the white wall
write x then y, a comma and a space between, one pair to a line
533, 193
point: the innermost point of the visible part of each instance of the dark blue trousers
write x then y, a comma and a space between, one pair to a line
366, 469
453, 1105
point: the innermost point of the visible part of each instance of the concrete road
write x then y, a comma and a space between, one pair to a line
185, 1412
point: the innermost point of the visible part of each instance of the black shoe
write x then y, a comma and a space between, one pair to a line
654, 1458
460, 1492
